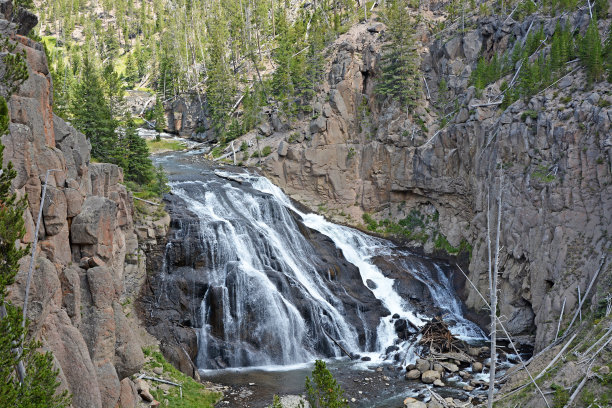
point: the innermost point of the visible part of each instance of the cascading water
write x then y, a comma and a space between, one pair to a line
280, 287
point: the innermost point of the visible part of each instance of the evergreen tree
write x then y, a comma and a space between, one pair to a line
323, 391
400, 60
91, 113
591, 52
138, 166
159, 115
113, 89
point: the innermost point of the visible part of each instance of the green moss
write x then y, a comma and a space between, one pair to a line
194, 394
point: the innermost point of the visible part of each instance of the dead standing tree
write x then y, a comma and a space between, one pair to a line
493, 273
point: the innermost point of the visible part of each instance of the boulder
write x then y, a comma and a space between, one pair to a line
143, 390
422, 365
283, 147
429, 376
318, 125
413, 375
472, 44
128, 396
414, 403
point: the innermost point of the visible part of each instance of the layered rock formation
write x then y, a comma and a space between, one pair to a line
357, 155
87, 246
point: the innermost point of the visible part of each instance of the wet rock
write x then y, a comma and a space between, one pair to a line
414, 403
476, 367
450, 367
438, 383
429, 376
413, 375
422, 365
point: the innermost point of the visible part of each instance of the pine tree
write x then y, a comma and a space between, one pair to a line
138, 166
323, 391
591, 52
159, 115
113, 89
400, 60
91, 113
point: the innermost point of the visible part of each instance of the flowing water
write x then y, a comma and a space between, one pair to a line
285, 287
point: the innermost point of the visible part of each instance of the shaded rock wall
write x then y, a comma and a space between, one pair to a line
87, 244
359, 155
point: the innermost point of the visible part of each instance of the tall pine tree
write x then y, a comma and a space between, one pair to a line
400, 60
91, 113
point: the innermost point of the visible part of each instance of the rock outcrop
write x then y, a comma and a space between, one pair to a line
359, 155
87, 246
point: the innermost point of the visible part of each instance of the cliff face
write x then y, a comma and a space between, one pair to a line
88, 261
555, 152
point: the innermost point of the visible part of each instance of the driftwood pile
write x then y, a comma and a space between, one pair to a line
438, 337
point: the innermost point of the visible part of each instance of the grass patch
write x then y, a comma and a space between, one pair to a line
195, 395
542, 174
164, 145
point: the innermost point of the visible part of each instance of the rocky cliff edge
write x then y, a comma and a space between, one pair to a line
88, 264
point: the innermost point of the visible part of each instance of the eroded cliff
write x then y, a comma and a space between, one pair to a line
88, 264
359, 155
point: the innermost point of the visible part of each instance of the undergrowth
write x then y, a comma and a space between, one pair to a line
195, 395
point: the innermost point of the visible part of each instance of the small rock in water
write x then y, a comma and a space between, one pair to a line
251, 384
395, 316
476, 367
438, 383
468, 388
379, 370
353, 400
366, 358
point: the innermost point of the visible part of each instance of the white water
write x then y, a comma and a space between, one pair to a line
267, 304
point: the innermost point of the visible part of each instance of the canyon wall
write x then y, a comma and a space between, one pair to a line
358, 154
88, 264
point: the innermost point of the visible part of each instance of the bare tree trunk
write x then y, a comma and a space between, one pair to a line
494, 299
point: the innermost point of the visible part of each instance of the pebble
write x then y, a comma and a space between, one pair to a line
251, 384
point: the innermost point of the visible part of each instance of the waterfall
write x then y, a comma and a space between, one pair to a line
284, 287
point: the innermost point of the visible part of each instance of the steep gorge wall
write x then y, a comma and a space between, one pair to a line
357, 156
88, 265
